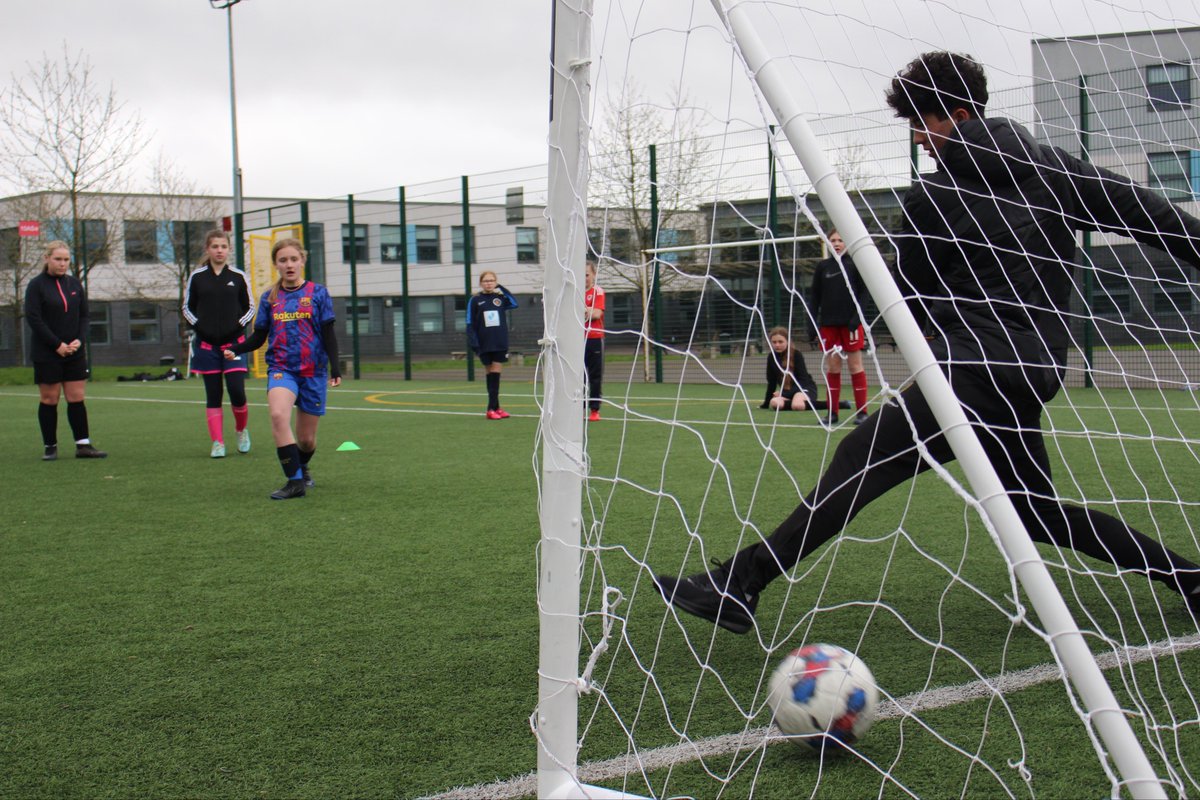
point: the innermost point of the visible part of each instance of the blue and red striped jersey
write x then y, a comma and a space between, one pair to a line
293, 324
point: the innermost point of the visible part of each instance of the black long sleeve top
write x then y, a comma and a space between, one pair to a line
56, 311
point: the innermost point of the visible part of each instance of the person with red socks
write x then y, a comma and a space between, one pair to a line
835, 300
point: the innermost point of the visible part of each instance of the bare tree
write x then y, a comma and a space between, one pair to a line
62, 132
855, 166
20, 258
177, 202
619, 192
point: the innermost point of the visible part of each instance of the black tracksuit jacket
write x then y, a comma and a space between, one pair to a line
832, 298
56, 310
218, 307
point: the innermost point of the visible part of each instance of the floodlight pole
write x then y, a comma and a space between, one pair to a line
1070, 649
227, 7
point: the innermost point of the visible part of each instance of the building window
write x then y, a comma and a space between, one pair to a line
429, 251
1113, 295
427, 314
460, 313
93, 236
457, 249
95, 241
314, 242
98, 327
141, 241
620, 245
1176, 300
359, 244
618, 312
1169, 86
390, 237
143, 323
187, 241
1170, 173
10, 248
616, 243
749, 252
527, 245
363, 307
370, 316
676, 237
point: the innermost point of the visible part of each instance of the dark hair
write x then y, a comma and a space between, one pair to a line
938, 83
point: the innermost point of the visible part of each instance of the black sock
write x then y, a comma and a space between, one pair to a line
77, 417
289, 459
48, 422
305, 455
493, 389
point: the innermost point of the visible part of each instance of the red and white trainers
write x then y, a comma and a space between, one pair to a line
501, 414
493, 414
594, 416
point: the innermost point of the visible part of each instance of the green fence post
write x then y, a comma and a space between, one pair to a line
404, 285
772, 228
82, 258
468, 246
316, 275
353, 283
655, 291
1089, 270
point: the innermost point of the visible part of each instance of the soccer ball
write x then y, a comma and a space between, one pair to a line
823, 695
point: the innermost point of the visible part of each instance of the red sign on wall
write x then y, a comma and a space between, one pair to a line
29, 227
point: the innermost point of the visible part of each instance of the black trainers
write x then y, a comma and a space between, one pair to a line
293, 488
845, 404
713, 596
87, 451
831, 419
306, 476
51, 453
860, 418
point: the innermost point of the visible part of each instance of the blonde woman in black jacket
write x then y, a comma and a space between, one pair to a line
56, 311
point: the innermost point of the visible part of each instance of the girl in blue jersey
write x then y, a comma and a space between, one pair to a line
295, 319
487, 333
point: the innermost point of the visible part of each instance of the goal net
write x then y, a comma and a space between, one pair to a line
1004, 534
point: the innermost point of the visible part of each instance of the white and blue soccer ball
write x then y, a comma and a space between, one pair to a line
823, 695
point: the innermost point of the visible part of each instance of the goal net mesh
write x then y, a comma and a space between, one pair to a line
707, 233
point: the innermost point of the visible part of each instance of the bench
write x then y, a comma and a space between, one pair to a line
458, 355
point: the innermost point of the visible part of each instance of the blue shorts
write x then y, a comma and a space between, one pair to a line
209, 360
310, 392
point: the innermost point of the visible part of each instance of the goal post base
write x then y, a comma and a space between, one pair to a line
570, 789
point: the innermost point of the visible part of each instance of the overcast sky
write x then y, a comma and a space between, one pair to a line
340, 96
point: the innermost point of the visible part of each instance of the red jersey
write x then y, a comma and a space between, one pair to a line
594, 299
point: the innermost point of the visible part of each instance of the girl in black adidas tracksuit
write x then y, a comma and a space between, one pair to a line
217, 306
57, 313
